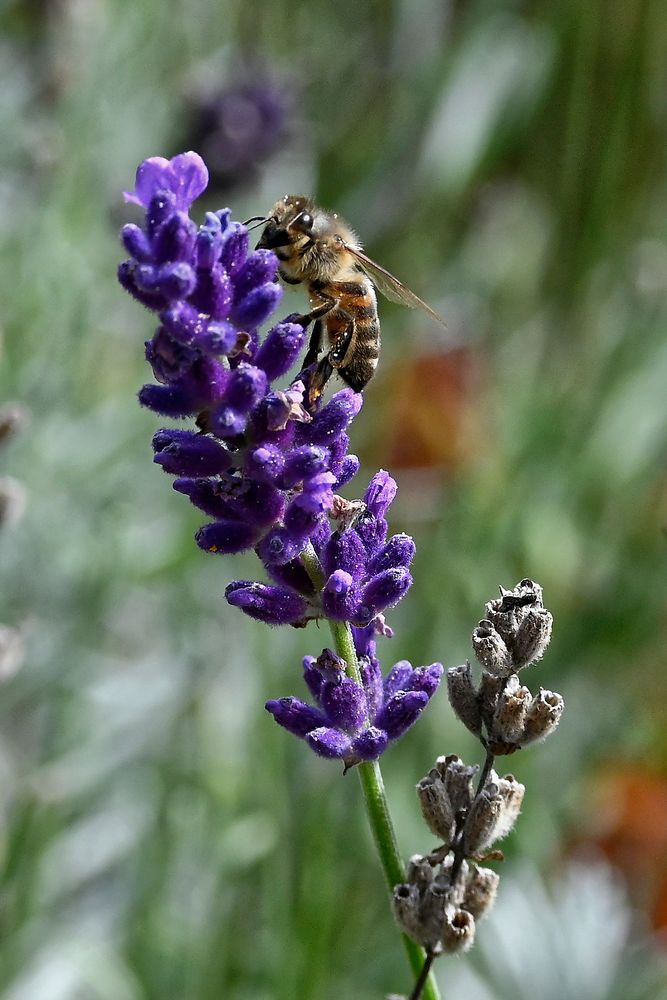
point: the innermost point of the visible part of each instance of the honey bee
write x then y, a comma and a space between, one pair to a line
318, 248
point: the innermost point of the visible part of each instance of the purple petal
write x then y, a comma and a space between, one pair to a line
339, 596
348, 469
400, 712
385, 590
329, 742
426, 679
226, 537
280, 349
370, 744
190, 454
344, 703
345, 551
380, 493
273, 605
399, 551
295, 716
185, 176
398, 678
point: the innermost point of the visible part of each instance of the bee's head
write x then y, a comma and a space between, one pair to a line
291, 220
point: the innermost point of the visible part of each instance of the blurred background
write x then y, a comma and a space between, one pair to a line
160, 837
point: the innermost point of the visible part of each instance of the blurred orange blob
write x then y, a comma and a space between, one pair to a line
434, 422
630, 807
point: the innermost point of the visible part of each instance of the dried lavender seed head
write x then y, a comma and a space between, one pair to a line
436, 807
458, 932
543, 716
512, 705
491, 650
406, 905
434, 905
456, 891
458, 778
520, 619
490, 689
483, 817
481, 887
420, 871
463, 697
511, 793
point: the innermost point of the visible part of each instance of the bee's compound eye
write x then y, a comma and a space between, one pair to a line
303, 222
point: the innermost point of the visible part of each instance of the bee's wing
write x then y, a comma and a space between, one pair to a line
391, 287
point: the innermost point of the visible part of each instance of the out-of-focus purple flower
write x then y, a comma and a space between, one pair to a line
352, 722
240, 126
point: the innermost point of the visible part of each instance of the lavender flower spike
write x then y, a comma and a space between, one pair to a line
353, 722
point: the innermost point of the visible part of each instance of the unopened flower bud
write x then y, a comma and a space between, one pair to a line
543, 716
481, 886
436, 807
512, 705
463, 697
459, 932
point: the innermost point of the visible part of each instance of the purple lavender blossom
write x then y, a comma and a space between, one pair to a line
350, 722
261, 465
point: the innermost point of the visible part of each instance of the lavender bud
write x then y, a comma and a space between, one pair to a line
458, 933
436, 806
463, 697
369, 744
226, 537
481, 886
542, 716
491, 651
401, 712
329, 742
273, 605
385, 590
344, 703
295, 716
280, 349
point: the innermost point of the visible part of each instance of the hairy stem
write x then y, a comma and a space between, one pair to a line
370, 775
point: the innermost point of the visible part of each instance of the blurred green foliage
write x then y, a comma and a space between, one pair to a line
161, 838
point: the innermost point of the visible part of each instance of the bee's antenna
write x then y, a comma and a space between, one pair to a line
259, 219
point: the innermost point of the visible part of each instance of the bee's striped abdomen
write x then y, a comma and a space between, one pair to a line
356, 302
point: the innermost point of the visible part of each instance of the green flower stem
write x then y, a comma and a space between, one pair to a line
370, 775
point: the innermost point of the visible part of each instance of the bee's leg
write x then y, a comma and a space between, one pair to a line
321, 376
336, 358
315, 345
